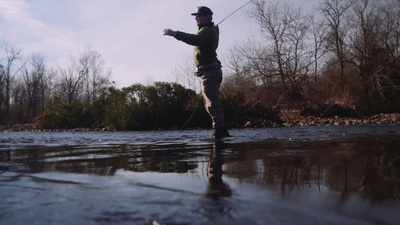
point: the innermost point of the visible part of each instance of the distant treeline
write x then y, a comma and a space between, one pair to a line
344, 53
138, 107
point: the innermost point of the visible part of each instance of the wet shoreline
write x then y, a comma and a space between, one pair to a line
289, 120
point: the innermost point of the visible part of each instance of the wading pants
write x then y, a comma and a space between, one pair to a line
210, 83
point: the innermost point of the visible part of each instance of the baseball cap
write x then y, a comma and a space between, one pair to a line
202, 10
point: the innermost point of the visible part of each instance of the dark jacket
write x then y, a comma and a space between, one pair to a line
205, 42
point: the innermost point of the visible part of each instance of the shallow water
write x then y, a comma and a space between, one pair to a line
301, 175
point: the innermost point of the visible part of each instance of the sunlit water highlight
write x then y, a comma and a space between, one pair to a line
301, 175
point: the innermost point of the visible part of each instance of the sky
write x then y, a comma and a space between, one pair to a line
127, 33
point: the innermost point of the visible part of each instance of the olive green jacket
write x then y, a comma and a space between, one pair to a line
205, 43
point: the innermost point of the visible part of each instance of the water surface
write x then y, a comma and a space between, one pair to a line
302, 175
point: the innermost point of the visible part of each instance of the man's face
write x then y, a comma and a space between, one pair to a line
202, 19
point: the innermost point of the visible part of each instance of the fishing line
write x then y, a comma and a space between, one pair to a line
233, 12
194, 110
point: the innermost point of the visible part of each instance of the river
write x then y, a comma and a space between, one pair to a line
298, 175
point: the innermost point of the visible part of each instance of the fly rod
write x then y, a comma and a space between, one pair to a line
233, 12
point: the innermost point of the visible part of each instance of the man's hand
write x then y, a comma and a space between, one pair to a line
169, 32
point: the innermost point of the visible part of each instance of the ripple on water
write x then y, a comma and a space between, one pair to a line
303, 175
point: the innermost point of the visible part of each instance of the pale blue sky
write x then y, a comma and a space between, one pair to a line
127, 33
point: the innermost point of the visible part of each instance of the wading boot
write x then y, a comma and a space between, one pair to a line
221, 132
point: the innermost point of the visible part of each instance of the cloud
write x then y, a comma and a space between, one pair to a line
32, 34
127, 33
17, 12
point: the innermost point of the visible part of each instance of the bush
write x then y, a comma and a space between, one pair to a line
159, 106
48, 120
67, 116
238, 112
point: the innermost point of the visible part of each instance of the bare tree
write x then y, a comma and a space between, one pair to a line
289, 54
84, 76
390, 14
248, 59
35, 85
334, 12
10, 68
370, 53
184, 75
19, 97
2, 98
318, 31
91, 67
71, 83
49, 87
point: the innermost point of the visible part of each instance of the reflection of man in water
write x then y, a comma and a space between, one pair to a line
217, 188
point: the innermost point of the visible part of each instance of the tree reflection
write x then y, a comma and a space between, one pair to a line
216, 186
368, 167
25, 160
364, 166
382, 175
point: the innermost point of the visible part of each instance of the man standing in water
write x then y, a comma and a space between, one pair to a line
208, 67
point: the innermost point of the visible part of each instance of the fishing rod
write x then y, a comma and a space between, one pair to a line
234, 12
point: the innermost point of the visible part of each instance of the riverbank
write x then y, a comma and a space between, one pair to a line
31, 128
290, 119
295, 119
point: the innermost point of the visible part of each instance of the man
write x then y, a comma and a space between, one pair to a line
208, 67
